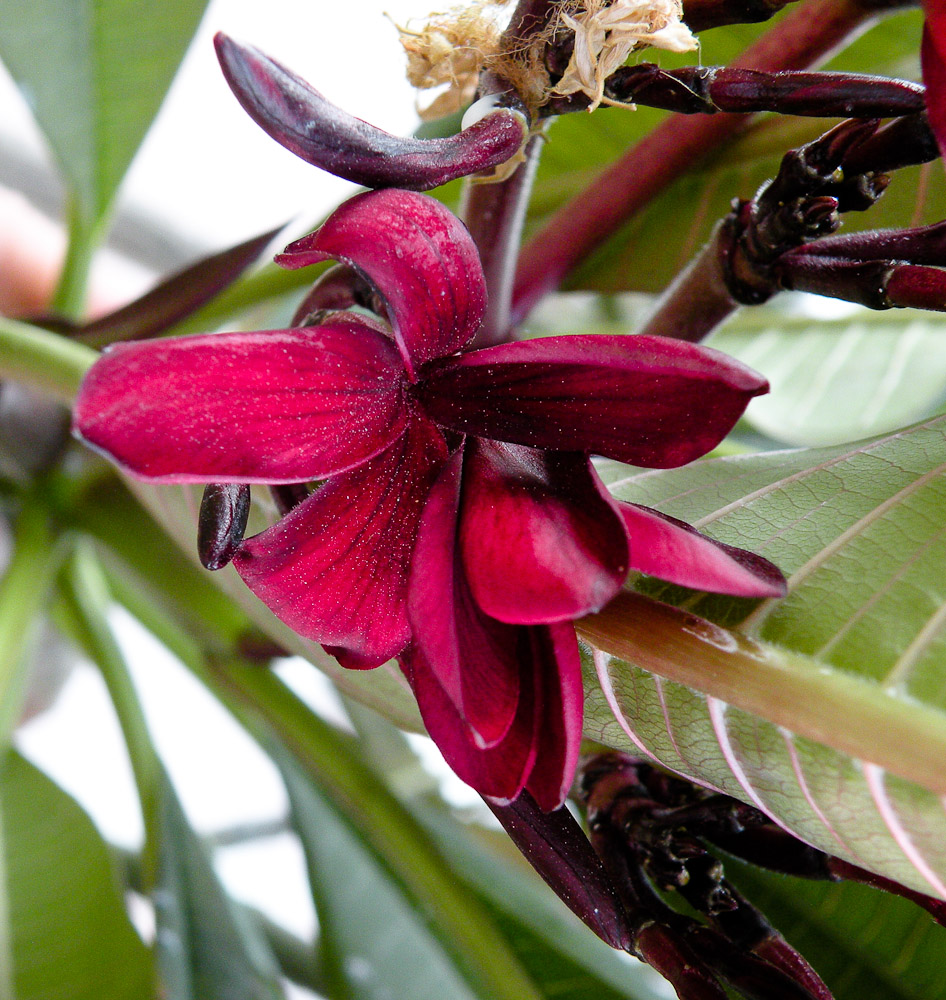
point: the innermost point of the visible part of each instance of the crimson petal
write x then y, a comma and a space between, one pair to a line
675, 551
540, 536
500, 771
472, 657
335, 568
298, 117
268, 407
650, 401
555, 648
933, 62
419, 257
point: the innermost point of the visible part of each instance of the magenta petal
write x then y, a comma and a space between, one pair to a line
500, 771
298, 117
541, 539
270, 407
472, 657
418, 256
674, 551
334, 569
933, 62
555, 650
650, 401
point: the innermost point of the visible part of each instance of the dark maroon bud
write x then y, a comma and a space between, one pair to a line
221, 525
841, 869
665, 952
298, 117
819, 214
863, 282
557, 848
904, 142
779, 953
925, 245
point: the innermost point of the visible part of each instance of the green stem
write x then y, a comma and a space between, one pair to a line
37, 555
89, 599
43, 359
70, 295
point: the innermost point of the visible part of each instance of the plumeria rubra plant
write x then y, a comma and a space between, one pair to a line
494, 448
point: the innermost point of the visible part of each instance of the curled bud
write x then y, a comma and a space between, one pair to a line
298, 117
221, 525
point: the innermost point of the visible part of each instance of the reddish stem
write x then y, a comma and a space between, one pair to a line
807, 35
495, 214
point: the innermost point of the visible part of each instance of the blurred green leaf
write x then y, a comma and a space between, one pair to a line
94, 73
827, 708
566, 959
836, 380
64, 932
863, 942
374, 942
207, 946
24, 591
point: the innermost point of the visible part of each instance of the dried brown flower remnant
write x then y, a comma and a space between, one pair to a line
606, 34
450, 50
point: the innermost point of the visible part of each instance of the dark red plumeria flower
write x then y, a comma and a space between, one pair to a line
461, 525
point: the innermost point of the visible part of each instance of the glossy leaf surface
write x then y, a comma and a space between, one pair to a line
827, 709
843, 379
66, 932
373, 941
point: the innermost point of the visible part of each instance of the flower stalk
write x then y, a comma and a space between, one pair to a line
800, 39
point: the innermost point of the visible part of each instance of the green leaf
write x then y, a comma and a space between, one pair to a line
24, 590
94, 73
827, 708
374, 943
863, 942
567, 960
649, 250
64, 932
207, 947
840, 380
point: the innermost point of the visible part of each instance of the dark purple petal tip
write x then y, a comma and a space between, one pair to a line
301, 119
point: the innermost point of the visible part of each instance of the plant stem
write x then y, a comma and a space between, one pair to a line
799, 40
697, 301
24, 588
495, 214
43, 359
69, 298
88, 599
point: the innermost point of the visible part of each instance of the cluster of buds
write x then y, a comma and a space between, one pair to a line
651, 833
